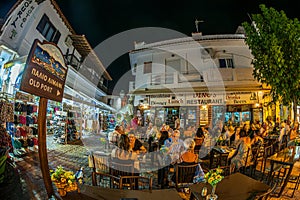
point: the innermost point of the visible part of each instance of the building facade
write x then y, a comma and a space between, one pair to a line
87, 79
201, 79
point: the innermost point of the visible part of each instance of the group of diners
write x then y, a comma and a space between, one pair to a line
174, 148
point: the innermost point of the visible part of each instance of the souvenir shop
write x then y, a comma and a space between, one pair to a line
76, 116
18, 110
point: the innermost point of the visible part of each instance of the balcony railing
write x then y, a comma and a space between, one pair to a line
72, 60
210, 75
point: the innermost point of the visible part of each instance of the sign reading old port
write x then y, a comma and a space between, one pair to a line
45, 71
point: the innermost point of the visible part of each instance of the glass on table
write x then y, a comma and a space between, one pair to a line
204, 191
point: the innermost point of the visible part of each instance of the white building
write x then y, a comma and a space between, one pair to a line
200, 78
87, 78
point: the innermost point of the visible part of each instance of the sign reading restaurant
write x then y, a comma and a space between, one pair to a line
45, 71
203, 98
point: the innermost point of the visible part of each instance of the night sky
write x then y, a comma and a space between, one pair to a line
99, 20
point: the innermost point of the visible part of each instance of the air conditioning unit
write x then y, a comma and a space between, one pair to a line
68, 41
207, 53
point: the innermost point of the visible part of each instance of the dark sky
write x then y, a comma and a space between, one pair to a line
99, 20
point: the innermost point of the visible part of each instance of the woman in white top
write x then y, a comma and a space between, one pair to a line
122, 152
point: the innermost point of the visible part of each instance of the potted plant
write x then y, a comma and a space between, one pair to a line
64, 180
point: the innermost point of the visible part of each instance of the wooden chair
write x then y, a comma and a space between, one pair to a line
122, 168
257, 154
248, 159
280, 178
265, 164
218, 159
105, 180
184, 174
143, 183
267, 194
296, 181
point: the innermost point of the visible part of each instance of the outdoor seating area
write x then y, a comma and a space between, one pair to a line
260, 170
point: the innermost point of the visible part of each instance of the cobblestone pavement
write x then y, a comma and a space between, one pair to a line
27, 183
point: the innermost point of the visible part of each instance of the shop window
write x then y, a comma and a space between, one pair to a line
147, 67
47, 29
226, 63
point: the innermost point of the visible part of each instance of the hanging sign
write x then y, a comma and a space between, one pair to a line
45, 71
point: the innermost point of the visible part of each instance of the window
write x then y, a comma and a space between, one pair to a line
147, 67
46, 28
226, 63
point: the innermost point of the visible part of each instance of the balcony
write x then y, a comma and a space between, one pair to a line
72, 60
102, 87
228, 77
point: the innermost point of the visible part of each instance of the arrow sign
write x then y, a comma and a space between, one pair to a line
45, 71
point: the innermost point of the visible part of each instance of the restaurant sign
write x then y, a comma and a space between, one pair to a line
45, 71
167, 100
204, 98
241, 98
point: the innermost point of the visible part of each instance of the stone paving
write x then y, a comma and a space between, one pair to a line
27, 183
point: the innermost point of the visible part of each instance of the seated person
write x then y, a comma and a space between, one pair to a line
200, 132
238, 157
189, 156
122, 152
176, 147
257, 139
135, 145
114, 136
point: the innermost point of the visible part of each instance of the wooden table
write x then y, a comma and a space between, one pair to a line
93, 192
233, 187
285, 157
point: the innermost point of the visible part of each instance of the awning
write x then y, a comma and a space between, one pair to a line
79, 97
20, 60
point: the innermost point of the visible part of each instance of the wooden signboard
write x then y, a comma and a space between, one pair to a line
44, 75
45, 71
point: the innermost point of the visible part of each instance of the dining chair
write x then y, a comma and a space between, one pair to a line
295, 180
120, 168
267, 194
257, 154
218, 159
265, 164
280, 177
105, 180
184, 174
136, 183
248, 159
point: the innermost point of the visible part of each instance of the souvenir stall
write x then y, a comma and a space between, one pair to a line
21, 108
25, 120
6, 117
